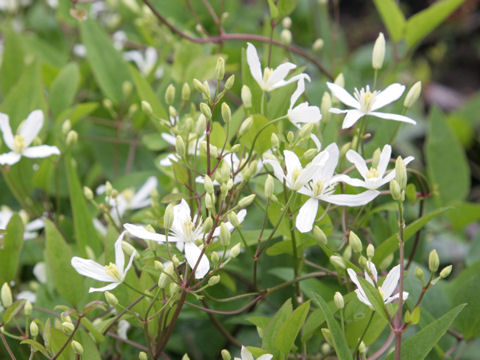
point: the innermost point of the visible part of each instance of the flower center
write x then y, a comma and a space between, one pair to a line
188, 229
128, 194
266, 74
318, 188
19, 144
365, 97
296, 173
372, 173
112, 270
382, 294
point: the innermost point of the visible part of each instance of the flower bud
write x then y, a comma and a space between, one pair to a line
209, 202
68, 327
27, 308
319, 235
327, 335
233, 218
200, 87
246, 95
201, 125
205, 109
305, 131
246, 201
362, 261
147, 108
275, 140
66, 126
225, 235
340, 80
376, 158
246, 125
142, 355
110, 298
395, 191
186, 92
290, 136
347, 253
207, 225
326, 348
355, 242
129, 250
158, 265
208, 184
220, 68
318, 45
6, 295
310, 154
180, 146
88, 193
226, 113
33, 329
269, 187
378, 54
287, 22
226, 355
230, 81
76, 347
362, 348
170, 94
185, 357
235, 251
214, 280
338, 300
215, 258
337, 261
168, 216
370, 251
72, 138
446, 271
286, 36
433, 261
325, 106
401, 173
385, 263
413, 94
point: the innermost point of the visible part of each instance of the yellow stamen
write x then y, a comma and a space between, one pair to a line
128, 194
318, 187
19, 144
112, 270
365, 97
266, 74
188, 228
296, 173
372, 173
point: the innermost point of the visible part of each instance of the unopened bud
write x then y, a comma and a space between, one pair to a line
127, 88
376, 158
378, 54
246, 125
326, 348
77, 347
142, 355
33, 329
180, 146
72, 138
370, 251
401, 173
110, 298
215, 258
355, 242
129, 250
158, 265
199, 86
6, 295
246, 201
327, 335
419, 274
226, 113
185, 357
269, 187
226, 355
170, 94
385, 263
225, 235
27, 308
362, 261
319, 235
207, 225
210, 202
246, 95
233, 218
286, 36
338, 300
446, 271
66, 126
68, 327
230, 81
395, 191
147, 108
287, 22
168, 216
201, 125
205, 109
220, 68
214, 280
186, 92
347, 253
235, 251
433, 261
413, 94
305, 131
362, 348
275, 140
318, 45
337, 261
290, 136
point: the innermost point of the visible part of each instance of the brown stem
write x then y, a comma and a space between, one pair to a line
69, 338
5, 343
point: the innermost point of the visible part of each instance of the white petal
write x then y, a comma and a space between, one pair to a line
395, 117
396, 296
384, 160
6, 130
357, 160
316, 141
351, 118
254, 64
142, 233
304, 113
129, 265
136, 57
342, 95
298, 92
91, 269
246, 354
35, 225
281, 83
151, 57
371, 274
328, 168
169, 138
104, 288
306, 216
277, 169
351, 200
144, 192
40, 272
119, 255
363, 297
391, 281
292, 162
266, 357
387, 96
40, 151
279, 74
192, 253
350, 181
306, 175
30, 128
9, 158
338, 111
181, 214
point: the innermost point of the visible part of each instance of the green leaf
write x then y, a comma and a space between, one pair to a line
12, 310
419, 345
273, 9
85, 233
339, 341
92, 329
465, 289
290, 328
146, 93
272, 329
392, 17
12, 61
422, 23
64, 88
262, 142
285, 7
68, 282
447, 163
390, 245
374, 297
11, 248
108, 66
36, 346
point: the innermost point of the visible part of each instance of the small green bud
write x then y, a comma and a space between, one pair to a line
142, 355
127, 88
147, 108
76, 347
386, 262
319, 235
172, 112
362, 261
345, 147
6, 295
209, 202
108, 104
207, 225
413, 94
226, 355
305, 131
129, 249
290, 136
246, 95
355, 242
180, 146
327, 335
370, 251
215, 258
201, 125
326, 348
225, 235
246, 125
214, 280
158, 265
186, 92
168, 216
235, 251
27, 308
170, 94
275, 140
347, 253
208, 184
287, 22
108, 188
233, 218
286, 36
338, 300
110, 298
362, 348
401, 173
66, 126
72, 138
269, 187
185, 357
318, 45
378, 54
446, 271
337, 261
220, 68
203, 88
68, 327
33, 329
246, 201
310, 154
396, 191
433, 261
226, 113
205, 109
376, 157
230, 81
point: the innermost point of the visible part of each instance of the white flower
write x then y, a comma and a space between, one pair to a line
19, 144
172, 140
322, 187
374, 177
386, 290
184, 233
123, 326
366, 102
79, 50
302, 113
27, 295
40, 272
30, 228
247, 355
112, 273
146, 61
270, 79
119, 39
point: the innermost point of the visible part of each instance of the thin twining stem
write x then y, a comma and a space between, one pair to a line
235, 36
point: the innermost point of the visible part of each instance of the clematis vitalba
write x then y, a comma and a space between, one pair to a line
247, 355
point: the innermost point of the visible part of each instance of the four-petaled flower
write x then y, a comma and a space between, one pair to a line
365, 102
386, 290
270, 79
374, 177
247, 355
113, 273
20, 143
